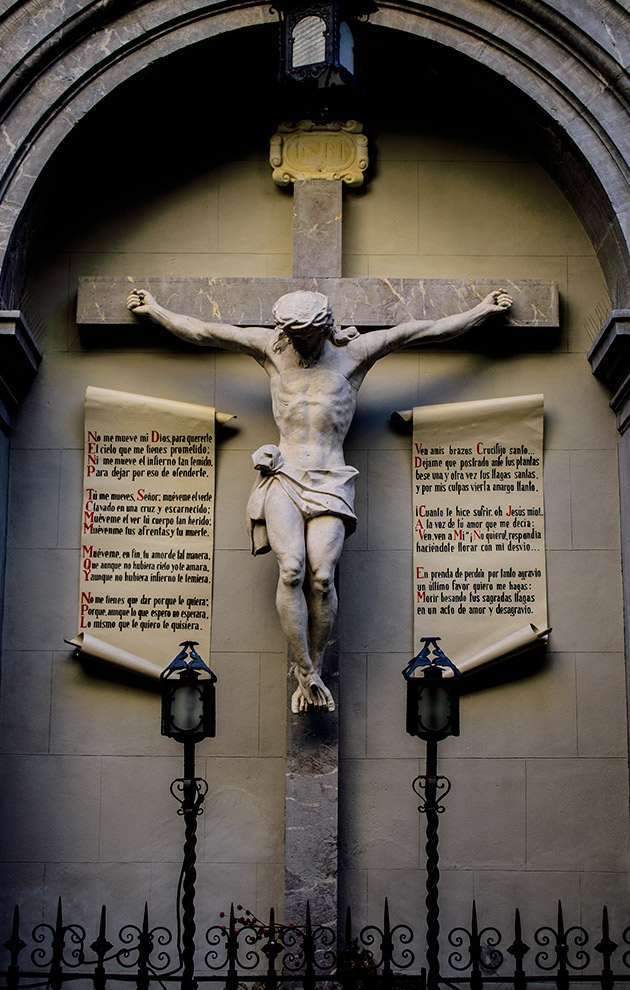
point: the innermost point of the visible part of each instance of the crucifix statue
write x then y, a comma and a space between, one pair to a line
302, 506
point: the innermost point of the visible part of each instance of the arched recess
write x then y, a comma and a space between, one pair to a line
568, 66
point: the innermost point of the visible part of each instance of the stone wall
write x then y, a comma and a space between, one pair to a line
153, 185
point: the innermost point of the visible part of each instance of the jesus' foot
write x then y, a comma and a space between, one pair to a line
311, 693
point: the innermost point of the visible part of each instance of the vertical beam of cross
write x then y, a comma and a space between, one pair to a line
317, 219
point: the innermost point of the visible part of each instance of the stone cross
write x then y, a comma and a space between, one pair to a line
319, 161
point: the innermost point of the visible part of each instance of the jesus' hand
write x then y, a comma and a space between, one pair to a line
141, 302
498, 301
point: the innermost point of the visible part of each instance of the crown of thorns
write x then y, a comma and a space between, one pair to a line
298, 310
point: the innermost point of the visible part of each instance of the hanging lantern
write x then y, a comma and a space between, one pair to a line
432, 693
188, 697
318, 41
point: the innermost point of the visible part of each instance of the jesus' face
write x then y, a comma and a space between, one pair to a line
303, 315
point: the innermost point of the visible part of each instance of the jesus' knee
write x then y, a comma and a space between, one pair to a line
323, 581
291, 571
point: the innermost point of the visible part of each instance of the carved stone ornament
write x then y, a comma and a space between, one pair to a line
313, 151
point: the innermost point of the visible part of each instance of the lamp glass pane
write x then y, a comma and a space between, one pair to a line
434, 706
309, 41
186, 708
346, 47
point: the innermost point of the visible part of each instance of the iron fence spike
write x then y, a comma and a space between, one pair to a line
560, 922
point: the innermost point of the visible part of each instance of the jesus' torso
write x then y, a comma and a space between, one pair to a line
313, 407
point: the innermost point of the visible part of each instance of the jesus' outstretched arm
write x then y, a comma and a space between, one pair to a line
246, 340
381, 342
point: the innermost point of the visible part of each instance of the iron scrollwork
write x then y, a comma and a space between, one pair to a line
423, 785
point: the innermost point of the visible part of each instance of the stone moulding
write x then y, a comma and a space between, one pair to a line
306, 150
610, 360
19, 360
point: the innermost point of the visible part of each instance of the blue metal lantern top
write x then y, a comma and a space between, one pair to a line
428, 659
188, 659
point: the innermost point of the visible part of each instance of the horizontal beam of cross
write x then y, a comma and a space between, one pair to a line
363, 302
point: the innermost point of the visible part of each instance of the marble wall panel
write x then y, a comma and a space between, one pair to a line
252, 211
21, 884
583, 620
485, 827
525, 707
70, 498
583, 801
35, 619
389, 506
486, 193
34, 499
232, 491
244, 819
217, 885
352, 892
272, 704
383, 215
270, 890
604, 889
141, 824
587, 301
25, 714
536, 894
406, 891
184, 218
122, 887
556, 482
138, 265
93, 712
243, 615
386, 708
50, 810
601, 705
379, 813
595, 521
376, 575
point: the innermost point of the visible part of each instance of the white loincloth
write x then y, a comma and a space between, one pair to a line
329, 491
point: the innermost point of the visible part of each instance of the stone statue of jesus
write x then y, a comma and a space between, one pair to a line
302, 506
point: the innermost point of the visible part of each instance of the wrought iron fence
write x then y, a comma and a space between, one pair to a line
242, 951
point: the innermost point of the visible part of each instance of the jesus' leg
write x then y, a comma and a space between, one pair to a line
324, 541
285, 529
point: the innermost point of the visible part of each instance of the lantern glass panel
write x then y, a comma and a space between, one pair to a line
434, 706
309, 41
187, 708
346, 47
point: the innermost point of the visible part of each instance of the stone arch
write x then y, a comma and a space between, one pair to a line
570, 71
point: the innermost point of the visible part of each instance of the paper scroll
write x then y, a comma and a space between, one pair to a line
478, 517
146, 529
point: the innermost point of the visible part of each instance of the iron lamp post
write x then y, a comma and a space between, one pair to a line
432, 715
188, 716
